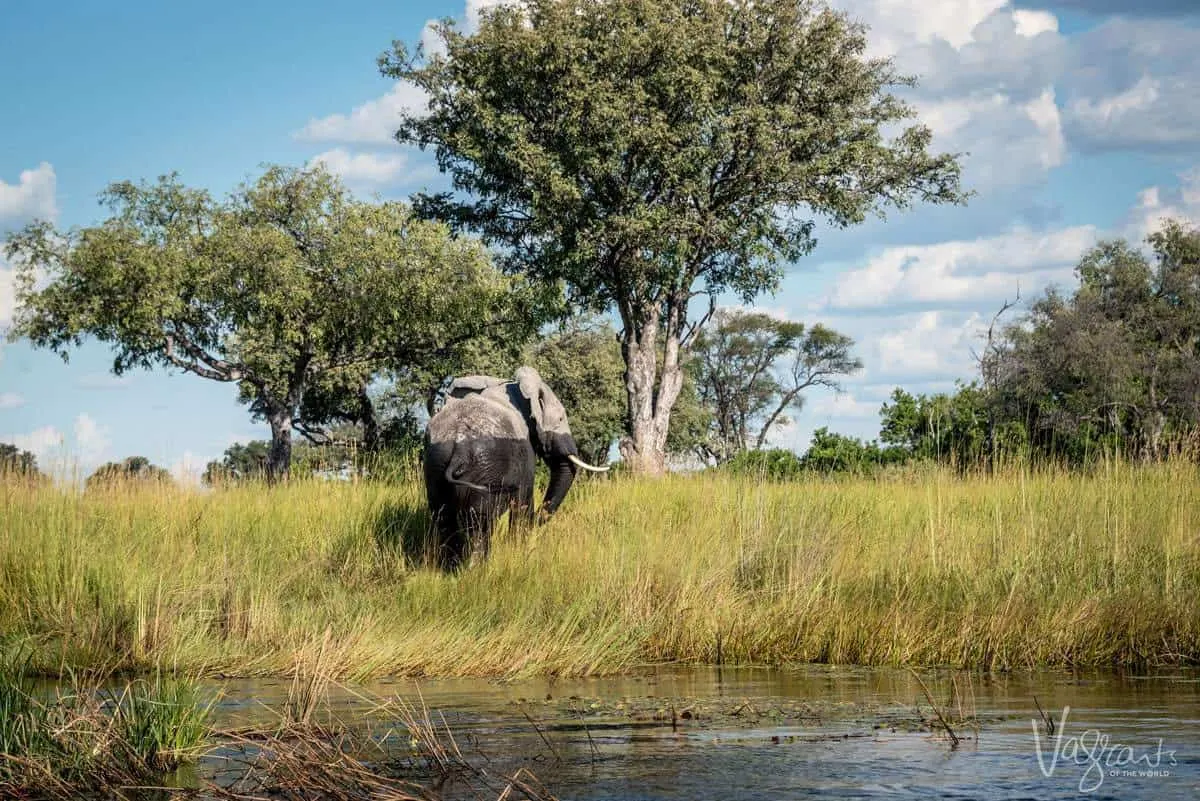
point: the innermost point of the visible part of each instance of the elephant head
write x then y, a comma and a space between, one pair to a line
551, 437
525, 407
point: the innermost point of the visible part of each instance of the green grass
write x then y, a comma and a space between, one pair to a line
82, 740
1021, 570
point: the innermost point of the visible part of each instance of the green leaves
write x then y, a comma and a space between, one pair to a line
286, 282
751, 367
644, 151
634, 147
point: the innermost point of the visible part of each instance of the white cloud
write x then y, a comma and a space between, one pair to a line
187, 469
896, 24
373, 122
91, 440
1043, 111
1031, 22
844, 404
8, 294
33, 196
1156, 203
958, 271
58, 453
1108, 111
933, 344
10, 400
1006, 142
371, 168
40, 442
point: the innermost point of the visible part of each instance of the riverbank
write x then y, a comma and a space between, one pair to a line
1023, 570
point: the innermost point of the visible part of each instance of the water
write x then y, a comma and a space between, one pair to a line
836, 733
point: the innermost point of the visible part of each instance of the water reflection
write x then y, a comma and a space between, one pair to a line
1114, 725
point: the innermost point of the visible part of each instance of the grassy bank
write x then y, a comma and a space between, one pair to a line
1016, 571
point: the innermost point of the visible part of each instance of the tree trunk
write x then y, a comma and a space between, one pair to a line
650, 394
279, 457
370, 423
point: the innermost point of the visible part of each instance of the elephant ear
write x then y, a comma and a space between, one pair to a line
546, 411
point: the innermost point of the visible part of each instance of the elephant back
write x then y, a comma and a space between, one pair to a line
488, 414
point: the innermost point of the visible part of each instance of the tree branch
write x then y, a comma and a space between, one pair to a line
202, 364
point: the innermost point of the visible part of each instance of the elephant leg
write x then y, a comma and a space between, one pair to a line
450, 546
522, 513
477, 515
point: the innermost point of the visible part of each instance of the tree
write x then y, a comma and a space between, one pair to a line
838, 453
644, 152
287, 284
238, 463
18, 465
132, 469
1115, 365
739, 377
947, 428
582, 362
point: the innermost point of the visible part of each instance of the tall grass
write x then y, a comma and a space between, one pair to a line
1015, 570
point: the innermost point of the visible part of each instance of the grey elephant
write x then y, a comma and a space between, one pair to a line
480, 451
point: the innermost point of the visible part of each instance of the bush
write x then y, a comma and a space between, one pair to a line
776, 464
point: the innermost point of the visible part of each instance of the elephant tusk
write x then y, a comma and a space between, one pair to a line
579, 462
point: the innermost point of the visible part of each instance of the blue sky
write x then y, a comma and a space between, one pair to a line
1081, 118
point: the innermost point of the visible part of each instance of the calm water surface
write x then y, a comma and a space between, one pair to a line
1125, 736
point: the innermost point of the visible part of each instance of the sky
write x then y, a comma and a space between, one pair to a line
1079, 121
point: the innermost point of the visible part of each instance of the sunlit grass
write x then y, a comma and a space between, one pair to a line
1019, 570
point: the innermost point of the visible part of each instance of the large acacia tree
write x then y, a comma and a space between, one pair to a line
751, 368
287, 283
646, 152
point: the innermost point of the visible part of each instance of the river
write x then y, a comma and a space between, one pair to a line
811, 732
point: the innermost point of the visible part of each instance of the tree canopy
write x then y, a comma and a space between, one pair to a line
286, 285
132, 469
17, 465
1115, 364
643, 152
751, 368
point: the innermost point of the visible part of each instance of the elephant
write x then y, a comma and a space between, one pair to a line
480, 451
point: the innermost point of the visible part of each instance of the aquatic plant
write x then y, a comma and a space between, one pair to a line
83, 740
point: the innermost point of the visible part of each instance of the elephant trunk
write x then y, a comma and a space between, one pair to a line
562, 471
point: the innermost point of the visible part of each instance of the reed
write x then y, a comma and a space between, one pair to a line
1019, 569
82, 740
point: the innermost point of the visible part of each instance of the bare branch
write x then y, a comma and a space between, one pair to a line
202, 364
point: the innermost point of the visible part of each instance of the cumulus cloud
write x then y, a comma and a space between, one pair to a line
82, 451
933, 343
896, 23
41, 442
373, 122
961, 271
363, 168
1030, 23
1130, 84
844, 405
1157, 203
33, 196
91, 440
1006, 142
8, 294
1145, 8
10, 400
